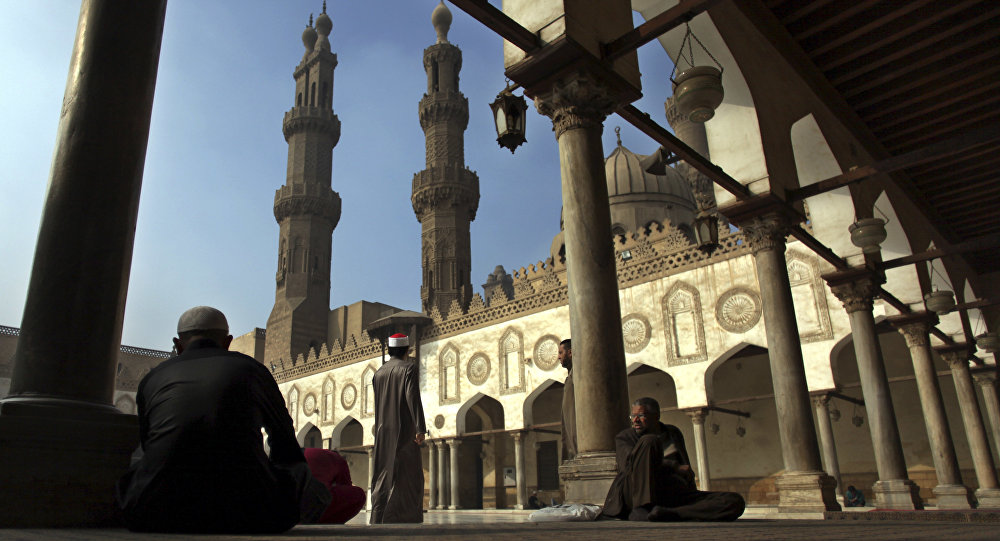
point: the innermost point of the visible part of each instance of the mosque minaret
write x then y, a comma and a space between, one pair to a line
306, 207
446, 193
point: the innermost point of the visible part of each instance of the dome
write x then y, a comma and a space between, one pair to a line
309, 37
626, 177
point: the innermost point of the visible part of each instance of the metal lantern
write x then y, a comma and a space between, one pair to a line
940, 302
868, 234
706, 231
698, 93
509, 112
988, 342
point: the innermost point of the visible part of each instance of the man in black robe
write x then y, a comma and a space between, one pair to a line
568, 418
201, 465
655, 481
397, 474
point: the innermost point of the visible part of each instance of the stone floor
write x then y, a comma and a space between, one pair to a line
495, 525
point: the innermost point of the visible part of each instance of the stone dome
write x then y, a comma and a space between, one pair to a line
441, 19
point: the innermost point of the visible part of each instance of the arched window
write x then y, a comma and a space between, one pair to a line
293, 406
368, 398
312, 95
328, 400
323, 95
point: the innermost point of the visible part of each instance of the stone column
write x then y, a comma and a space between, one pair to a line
987, 381
804, 487
64, 364
453, 444
432, 496
950, 492
957, 357
700, 446
856, 289
821, 403
371, 470
522, 478
442, 475
578, 105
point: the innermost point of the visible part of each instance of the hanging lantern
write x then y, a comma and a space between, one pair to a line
988, 342
509, 112
706, 231
940, 302
868, 234
858, 420
698, 90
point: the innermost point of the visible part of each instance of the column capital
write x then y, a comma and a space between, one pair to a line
518, 435
577, 101
821, 399
956, 355
454, 442
764, 219
856, 288
985, 376
697, 415
914, 327
370, 450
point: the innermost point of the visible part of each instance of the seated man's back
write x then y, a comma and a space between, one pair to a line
203, 467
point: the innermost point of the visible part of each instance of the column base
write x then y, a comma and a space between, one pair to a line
806, 492
588, 477
989, 498
59, 463
952, 497
897, 494
454, 507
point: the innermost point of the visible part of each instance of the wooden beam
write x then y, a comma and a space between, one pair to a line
821, 249
648, 31
988, 242
645, 124
930, 153
499, 22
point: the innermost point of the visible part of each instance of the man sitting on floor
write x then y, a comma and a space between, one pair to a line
331, 469
655, 481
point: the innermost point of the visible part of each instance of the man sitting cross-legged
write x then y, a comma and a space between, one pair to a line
655, 481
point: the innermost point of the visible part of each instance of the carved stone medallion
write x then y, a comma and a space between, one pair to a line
309, 404
547, 352
348, 395
478, 369
738, 310
635, 332
439, 421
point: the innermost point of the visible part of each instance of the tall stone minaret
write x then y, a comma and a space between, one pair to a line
306, 207
446, 193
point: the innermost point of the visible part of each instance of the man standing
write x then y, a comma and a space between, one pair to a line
655, 481
201, 465
397, 474
568, 402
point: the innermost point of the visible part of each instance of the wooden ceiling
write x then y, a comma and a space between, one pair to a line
913, 74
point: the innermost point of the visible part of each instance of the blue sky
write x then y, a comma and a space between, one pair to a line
206, 232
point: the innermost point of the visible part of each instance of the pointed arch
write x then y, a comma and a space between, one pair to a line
685, 325
368, 392
528, 405
293, 405
511, 361
307, 433
448, 375
329, 400
338, 431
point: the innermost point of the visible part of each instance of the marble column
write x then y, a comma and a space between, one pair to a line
700, 446
949, 492
432, 474
957, 357
578, 105
856, 289
522, 478
64, 364
804, 487
442, 455
987, 380
454, 444
821, 403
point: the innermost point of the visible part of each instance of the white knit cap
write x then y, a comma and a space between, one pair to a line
202, 318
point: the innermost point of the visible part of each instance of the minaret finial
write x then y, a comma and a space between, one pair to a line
324, 6
441, 19
618, 134
310, 19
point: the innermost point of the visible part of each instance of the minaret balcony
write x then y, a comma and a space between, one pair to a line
312, 120
307, 199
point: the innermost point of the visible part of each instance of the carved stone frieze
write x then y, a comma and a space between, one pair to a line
738, 310
546, 352
577, 102
444, 107
309, 405
348, 395
298, 200
636, 332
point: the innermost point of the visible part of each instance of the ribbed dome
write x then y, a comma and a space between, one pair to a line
626, 177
